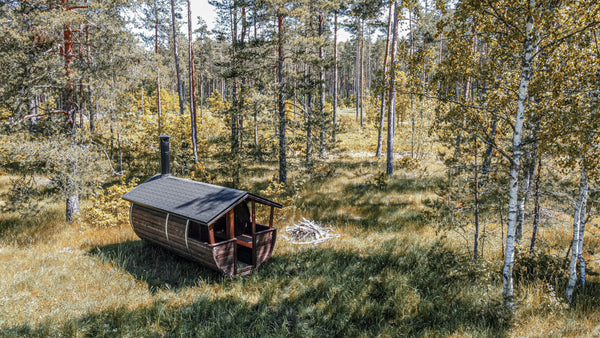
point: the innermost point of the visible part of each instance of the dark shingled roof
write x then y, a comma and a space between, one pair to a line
198, 201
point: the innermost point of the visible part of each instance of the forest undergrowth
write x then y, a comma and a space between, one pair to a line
395, 270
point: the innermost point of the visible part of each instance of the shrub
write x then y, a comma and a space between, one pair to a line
107, 207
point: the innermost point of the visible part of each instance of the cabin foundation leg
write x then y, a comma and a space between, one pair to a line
229, 228
211, 234
253, 217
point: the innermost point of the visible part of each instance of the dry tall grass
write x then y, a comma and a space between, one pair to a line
391, 273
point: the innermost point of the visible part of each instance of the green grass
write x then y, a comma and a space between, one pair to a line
391, 273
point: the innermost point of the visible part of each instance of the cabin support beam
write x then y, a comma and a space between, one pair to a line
253, 217
271, 217
229, 225
211, 234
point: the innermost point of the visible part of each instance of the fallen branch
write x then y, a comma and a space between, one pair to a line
308, 232
31, 116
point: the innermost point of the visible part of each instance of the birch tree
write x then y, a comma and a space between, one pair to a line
527, 29
392, 95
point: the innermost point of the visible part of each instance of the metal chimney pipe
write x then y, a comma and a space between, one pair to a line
165, 165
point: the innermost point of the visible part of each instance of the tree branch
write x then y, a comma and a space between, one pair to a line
26, 117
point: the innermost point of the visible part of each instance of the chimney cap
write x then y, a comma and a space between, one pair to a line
162, 137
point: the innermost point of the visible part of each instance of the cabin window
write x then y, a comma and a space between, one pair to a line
198, 232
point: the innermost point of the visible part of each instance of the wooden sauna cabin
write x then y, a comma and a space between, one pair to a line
213, 225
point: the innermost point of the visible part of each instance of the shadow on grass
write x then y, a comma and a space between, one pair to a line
364, 205
154, 265
401, 289
27, 230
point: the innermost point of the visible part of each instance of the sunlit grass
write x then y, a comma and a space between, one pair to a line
392, 272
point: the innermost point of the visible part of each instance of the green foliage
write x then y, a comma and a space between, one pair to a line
216, 103
540, 266
408, 162
379, 180
73, 164
22, 196
107, 208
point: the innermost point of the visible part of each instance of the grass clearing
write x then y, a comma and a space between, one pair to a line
391, 273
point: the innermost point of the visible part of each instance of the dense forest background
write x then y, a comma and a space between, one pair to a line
493, 104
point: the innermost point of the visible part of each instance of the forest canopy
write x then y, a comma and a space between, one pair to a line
496, 101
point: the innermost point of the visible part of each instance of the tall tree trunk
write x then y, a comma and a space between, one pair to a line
176, 55
529, 47
120, 152
357, 72
382, 108
281, 100
536, 211
309, 123
529, 174
392, 95
92, 110
201, 98
192, 85
578, 231
335, 75
361, 86
158, 100
235, 107
476, 193
72, 207
582, 273
489, 152
321, 89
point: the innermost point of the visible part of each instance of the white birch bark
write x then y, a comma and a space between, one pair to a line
577, 243
582, 273
529, 46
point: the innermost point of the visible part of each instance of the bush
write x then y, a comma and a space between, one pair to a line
107, 207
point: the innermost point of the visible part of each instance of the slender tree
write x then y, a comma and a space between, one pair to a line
392, 94
383, 74
192, 80
176, 56
281, 97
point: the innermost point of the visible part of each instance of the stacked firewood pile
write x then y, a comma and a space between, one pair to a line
308, 232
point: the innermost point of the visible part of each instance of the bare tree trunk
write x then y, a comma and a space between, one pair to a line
158, 100
529, 166
361, 82
176, 55
578, 231
382, 108
582, 273
309, 122
536, 212
120, 152
529, 46
72, 207
357, 73
321, 89
281, 101
476, 235
201, 98
192, 85
489, 152
392, 96
92, 110
335, 76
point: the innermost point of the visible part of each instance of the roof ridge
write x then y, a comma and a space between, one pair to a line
203, 183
